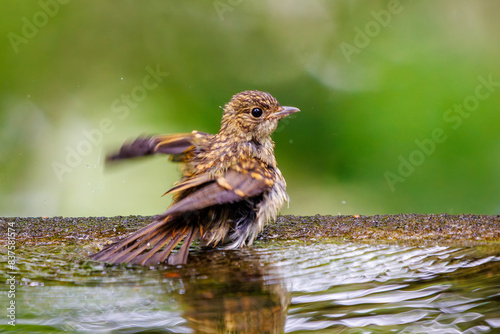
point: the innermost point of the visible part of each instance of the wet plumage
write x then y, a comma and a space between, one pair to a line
230, 186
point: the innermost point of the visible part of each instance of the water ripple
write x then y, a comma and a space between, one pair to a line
391, 288
292, 287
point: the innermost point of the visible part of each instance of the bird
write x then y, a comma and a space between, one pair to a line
230, 187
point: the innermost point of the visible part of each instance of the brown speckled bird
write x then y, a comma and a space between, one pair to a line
230, 188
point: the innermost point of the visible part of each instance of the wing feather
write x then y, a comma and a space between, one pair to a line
234, 186
167, 144
190, 183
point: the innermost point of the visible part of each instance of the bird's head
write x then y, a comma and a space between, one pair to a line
253, 115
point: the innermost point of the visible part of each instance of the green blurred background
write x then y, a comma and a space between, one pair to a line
372, 78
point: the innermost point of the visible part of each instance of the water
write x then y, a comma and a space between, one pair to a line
290, 287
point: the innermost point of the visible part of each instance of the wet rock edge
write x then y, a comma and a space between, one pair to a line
408, 228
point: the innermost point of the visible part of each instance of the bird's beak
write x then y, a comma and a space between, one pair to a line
285, 111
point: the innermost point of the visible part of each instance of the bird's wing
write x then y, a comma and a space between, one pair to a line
190, 182
235, 185
154, 243
168, 144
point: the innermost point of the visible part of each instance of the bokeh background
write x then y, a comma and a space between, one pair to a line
380, 85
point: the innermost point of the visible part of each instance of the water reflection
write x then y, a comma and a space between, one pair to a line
217, 292
291, 287
231, 293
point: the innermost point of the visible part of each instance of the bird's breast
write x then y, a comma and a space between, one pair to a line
272, 201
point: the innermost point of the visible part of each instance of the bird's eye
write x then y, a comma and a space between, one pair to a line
256, 112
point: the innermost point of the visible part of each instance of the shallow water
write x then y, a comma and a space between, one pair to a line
290, 287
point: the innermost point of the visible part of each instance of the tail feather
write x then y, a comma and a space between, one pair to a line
170, 240
131, 253
182, 256
106, 254
158, 257
150, 245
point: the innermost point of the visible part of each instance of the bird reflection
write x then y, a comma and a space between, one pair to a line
230, 292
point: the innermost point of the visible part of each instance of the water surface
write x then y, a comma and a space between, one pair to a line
291, 287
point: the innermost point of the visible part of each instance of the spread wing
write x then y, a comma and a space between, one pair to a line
235, 185
168, 144
154, 243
